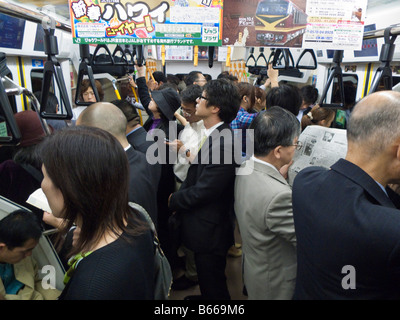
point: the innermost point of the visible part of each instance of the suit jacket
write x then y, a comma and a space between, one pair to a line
263, 207
143, 182
26, 272
205, 199
137, 139
348, 234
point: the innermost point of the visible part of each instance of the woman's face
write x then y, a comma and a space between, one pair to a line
53, 194
88, 95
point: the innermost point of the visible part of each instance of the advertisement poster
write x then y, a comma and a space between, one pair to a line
176, 53
335, 24
168, 22
261, 23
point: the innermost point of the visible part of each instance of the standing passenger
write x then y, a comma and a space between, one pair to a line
347, 220
143, 177
263, 207
205, 199
86, 183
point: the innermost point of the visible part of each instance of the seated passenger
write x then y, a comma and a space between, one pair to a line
86, 183
263, 207
87, 95
19, 279
22, 175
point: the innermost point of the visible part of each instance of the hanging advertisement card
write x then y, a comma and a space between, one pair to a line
168, 22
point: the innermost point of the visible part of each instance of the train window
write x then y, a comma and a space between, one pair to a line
12, 32
350, 82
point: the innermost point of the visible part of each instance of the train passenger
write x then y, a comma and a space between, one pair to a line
318, 116
195, 77
260, 101
159, 80
86, 183
52, 108
19, 278
143, 177
227, 75
135, 133
285, 96
263, 207
87, 95
22, 175
309, 94
347, 220
243, 118
187, 148
204, 202
161, 106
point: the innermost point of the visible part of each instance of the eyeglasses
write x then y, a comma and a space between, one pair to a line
298, 145
202, 97
186, 113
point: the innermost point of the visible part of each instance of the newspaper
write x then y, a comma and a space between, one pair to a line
321, 147
39, 200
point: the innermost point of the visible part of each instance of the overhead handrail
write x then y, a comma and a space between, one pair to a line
286, 55
109, 58
139, 55
384, 71
6, 112
314, 58
373, 34
335, 72
52, 70
262, 56
85, 69
211, 51
251, 56
123, 60
9, 87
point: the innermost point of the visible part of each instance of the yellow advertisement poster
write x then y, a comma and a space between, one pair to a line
168, 22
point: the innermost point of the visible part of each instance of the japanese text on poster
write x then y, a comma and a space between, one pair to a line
168, 22
335, 24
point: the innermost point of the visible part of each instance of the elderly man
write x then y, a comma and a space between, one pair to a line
347, 220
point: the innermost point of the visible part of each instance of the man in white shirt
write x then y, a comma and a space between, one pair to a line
263, 208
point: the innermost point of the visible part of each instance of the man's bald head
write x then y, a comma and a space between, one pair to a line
375, 121
106, 116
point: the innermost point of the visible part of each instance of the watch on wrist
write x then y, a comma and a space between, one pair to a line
187, 152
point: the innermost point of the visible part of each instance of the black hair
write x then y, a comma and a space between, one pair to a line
128, 109
309, 94
272, 128
285, 96
225, 95
192, 77
191, 93
159, 76
52, 102
18, 227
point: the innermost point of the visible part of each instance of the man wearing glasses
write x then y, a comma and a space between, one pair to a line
204, 202
263, 207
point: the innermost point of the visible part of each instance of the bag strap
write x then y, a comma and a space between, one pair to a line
143, 211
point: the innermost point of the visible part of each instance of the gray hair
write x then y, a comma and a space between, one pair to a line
272, 128
375, 121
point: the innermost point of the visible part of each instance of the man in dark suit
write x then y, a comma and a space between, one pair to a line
205, 200
135, 133
143, 177
347, 220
